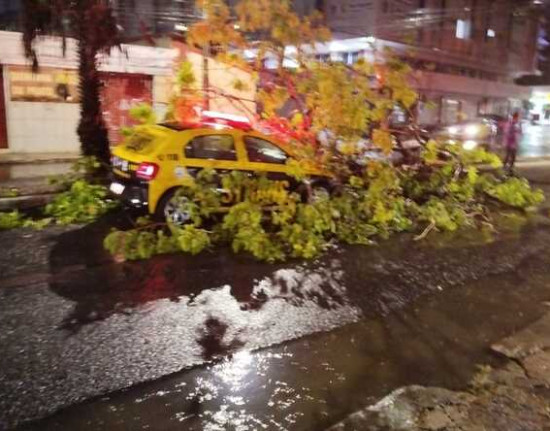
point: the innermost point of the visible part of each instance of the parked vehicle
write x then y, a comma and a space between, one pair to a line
498, 121
478, 133
152, 164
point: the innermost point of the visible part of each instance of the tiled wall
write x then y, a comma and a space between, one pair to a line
42, 127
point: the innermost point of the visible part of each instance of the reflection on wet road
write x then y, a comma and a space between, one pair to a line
95, 326
313, 382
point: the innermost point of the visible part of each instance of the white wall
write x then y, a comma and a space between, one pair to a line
129, 59
163, 89
222, 78
42, 127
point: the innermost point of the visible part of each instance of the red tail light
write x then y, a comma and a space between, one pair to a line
147, 171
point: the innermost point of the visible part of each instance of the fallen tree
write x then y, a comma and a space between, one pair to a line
350, 106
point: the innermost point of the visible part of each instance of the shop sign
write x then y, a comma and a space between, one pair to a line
47, 85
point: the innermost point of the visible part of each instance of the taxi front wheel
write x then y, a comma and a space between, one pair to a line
172, 209
315, 193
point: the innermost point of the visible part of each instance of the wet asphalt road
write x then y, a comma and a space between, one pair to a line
76, 326
313, 382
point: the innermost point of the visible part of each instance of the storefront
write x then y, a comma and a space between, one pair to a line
540, 105
120, 92
40, 112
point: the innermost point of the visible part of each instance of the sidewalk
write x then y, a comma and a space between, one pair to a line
25, 179
34, 158
512, 397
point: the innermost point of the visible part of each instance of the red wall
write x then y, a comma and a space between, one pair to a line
3, 124
120, 92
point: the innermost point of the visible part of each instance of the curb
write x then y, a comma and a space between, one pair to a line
527, 160
29, 160
27, 187
25, 202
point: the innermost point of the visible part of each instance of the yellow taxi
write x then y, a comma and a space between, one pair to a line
151, 164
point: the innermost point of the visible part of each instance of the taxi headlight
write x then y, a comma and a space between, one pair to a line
471, 130
470, 145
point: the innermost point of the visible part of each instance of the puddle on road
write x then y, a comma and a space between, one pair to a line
101, 289
314, 382
387, 277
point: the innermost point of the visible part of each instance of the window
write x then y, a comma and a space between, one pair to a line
352, 57
262, 151
218, 147
463, 29
323, 58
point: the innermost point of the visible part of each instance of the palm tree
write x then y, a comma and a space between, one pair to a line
93, 24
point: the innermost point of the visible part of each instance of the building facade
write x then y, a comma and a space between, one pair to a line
466, 53
39, 112
141, 18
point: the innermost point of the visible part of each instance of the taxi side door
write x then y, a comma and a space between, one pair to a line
264, 156
213, 149
193, 151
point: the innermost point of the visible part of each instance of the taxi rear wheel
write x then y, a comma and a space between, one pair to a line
171, 209
319, 193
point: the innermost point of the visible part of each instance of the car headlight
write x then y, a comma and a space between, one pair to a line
453, 130
471, 130
470, 145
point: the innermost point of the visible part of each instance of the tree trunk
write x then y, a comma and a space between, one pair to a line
92, 130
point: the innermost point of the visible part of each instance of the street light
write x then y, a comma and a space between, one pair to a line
181, 27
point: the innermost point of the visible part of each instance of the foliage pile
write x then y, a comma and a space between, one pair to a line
267, 221
14, 219
11, 220
82, 202
9, 192
350, 106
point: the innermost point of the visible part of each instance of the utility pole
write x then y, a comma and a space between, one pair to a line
205, 77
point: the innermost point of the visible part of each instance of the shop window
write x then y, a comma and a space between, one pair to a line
352, 57
323, 58
463, 29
